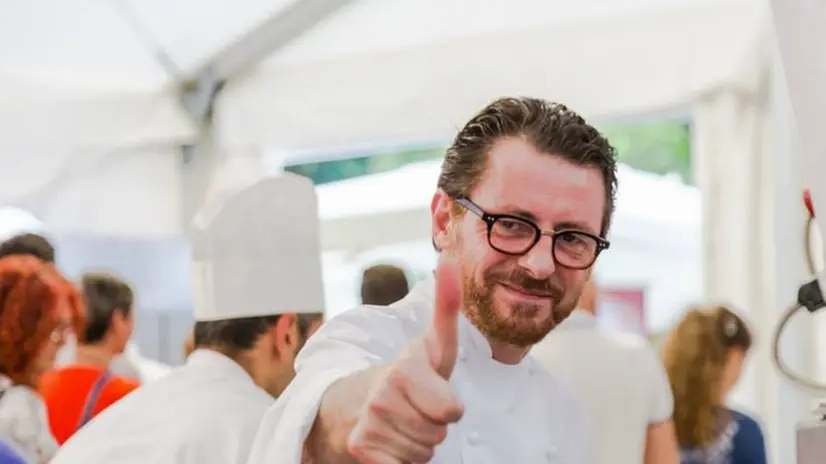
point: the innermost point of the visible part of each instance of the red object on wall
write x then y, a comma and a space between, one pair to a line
622, 310
807, 200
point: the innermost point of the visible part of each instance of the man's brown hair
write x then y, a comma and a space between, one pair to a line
30, 245
550, 127
104, 294
383, 284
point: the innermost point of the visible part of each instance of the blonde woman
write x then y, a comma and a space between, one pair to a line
704, 356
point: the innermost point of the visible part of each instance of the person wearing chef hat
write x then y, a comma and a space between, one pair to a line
258, 291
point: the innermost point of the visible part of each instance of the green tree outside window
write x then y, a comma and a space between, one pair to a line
658, 147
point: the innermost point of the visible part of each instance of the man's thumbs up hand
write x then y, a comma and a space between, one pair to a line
442, 337
411, 405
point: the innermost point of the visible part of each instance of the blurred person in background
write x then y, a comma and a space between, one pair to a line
29, 244
38, 310
258, 292
704, 357
631, 419
38, 246
128, 363
383, 284
76, 393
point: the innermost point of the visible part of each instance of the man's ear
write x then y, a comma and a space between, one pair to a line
441, 217
286, 334
119, 321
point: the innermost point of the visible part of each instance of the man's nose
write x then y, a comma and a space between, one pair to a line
539, 260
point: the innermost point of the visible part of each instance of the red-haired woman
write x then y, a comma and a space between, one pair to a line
38, 309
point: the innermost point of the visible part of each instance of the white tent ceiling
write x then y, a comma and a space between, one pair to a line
412, 68
121, 45
83, 82
408, 70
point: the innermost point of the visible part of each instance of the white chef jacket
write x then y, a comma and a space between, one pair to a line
620, 379
204, 412
513, 413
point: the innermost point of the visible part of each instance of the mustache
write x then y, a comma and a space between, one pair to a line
526, 283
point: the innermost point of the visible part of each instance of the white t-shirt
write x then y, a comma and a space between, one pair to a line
619, 378
513, 413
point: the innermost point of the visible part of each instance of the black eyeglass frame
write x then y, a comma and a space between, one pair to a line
490, 219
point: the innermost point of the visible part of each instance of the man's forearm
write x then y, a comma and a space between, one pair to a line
339, 411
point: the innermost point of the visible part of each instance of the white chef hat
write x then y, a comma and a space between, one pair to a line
256, 250
15, 221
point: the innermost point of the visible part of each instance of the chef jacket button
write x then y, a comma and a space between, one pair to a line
552, 455
473, 438
462, 355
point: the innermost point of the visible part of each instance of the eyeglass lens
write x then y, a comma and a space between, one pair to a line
571, 248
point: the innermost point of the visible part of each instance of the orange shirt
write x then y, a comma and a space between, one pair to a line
65, 391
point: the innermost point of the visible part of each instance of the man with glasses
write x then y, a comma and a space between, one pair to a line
523, 204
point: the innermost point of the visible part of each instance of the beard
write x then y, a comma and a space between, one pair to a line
515, 323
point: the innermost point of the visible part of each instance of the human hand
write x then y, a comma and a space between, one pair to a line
410, 406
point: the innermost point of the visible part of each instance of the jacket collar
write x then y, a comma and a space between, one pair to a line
216, 361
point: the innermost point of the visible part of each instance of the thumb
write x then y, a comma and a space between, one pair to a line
442, 336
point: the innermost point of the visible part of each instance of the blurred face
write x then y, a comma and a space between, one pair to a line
45, 359
519, 299
735, 358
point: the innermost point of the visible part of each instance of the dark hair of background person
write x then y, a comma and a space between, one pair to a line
383, 284
28, 244
104, 294
234, 336
32, 294
695, 356
550, 127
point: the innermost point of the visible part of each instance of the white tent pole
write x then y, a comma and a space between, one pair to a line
272, 35
200, 91
202, 87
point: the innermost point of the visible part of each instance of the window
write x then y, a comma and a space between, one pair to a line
330, 171
658, 147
